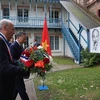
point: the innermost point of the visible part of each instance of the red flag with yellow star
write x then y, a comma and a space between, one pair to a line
45, 38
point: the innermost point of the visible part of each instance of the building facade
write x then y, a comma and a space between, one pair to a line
68, 34
28, 16
94, 7
91, 5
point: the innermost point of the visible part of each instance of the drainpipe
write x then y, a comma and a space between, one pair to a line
63, 35
79, 55
88, 39
63, 46
79, 45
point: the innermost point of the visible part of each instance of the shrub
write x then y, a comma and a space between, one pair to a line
89, 59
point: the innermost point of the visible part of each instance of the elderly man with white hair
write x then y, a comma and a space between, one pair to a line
8, 71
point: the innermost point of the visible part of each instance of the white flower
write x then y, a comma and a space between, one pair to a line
40, 47
50, 58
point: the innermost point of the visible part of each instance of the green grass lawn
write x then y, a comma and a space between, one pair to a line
71, 84
63, 60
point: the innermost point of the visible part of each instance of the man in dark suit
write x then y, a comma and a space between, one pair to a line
16, 51
36, 43
8, 71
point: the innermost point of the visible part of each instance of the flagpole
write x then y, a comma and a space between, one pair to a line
45, 15
46, 45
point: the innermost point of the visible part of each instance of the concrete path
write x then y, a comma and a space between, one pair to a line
30, 85
29, 89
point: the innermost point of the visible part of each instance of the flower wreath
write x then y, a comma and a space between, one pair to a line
37, 60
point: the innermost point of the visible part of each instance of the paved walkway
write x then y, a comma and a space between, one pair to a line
30, 85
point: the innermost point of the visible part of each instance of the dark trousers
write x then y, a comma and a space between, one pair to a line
20, 88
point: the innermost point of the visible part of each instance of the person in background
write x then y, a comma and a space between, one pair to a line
16, 51
11, 41
36, 43
8, 70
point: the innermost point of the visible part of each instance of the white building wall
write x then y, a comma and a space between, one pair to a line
40, 13
67, 49
64, 15
83, 43
83, 33
76, 23
32, 13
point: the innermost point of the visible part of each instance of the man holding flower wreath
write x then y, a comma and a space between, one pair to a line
8, 70
16, 51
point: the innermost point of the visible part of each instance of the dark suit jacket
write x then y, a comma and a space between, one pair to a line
8, 71
16, 50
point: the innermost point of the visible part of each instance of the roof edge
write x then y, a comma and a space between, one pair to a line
95, 18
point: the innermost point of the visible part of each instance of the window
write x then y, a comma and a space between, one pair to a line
38, 38
56, 16
6, 13
22, 15
54, 42
53, 16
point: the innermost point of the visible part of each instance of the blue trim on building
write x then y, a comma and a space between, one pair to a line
88, 38
79, 55
34, 22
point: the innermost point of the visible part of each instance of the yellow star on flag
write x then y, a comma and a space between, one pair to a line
45, 45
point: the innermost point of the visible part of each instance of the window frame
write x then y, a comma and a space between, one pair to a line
6, 14
54, 44
22, 16
54, 16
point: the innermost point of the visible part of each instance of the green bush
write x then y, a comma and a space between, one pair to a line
89, 59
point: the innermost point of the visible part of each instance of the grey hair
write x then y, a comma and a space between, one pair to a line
4, 22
